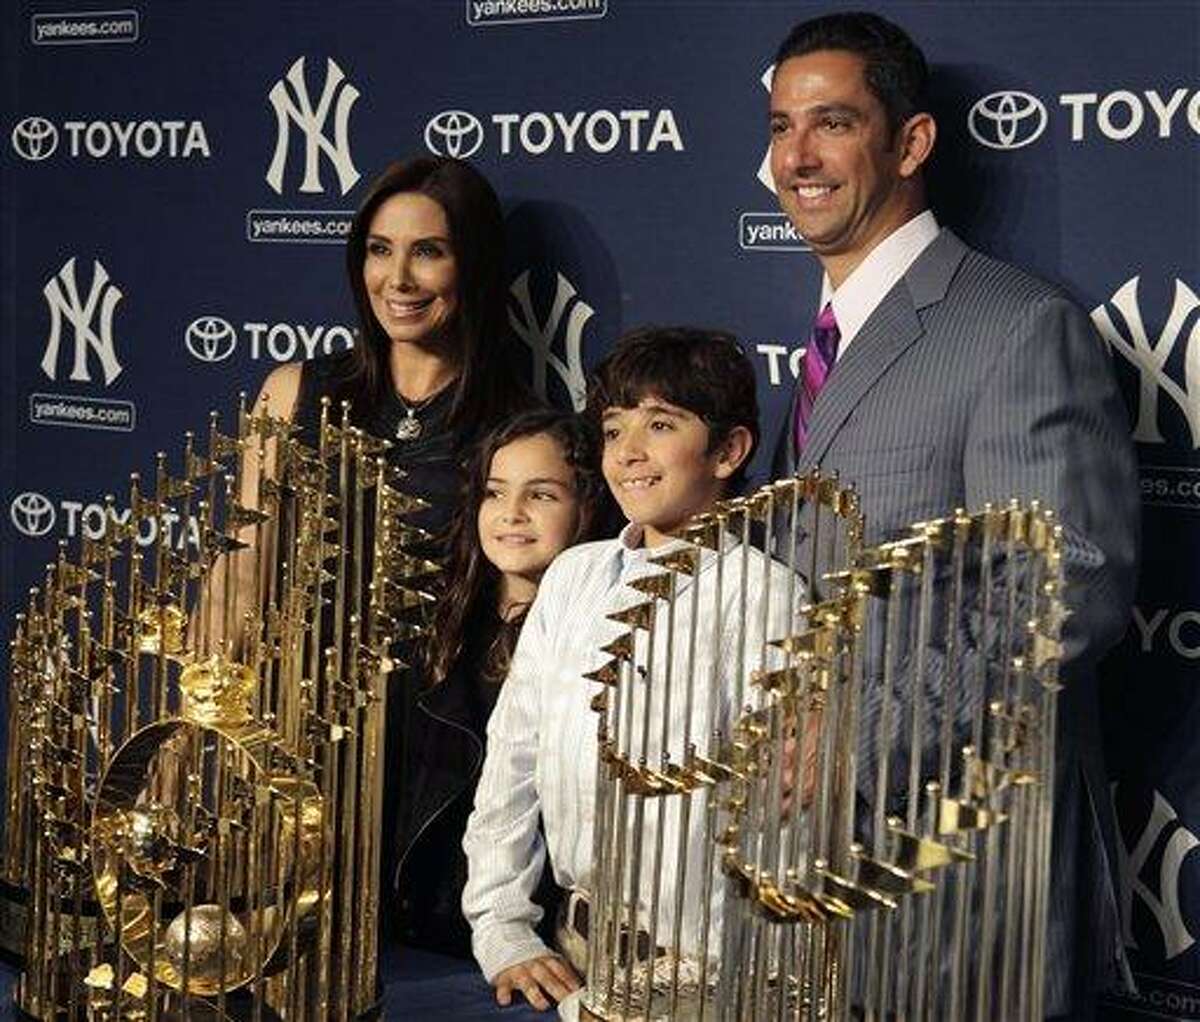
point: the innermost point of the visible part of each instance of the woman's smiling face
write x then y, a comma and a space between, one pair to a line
410, 270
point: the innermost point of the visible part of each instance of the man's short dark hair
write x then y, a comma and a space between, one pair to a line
704, 371
895, 68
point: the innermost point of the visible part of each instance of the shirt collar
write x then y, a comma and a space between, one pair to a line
633, 553
634, 559
860, 293
630, 538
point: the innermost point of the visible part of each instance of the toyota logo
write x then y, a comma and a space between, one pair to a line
35, 138
32, 514
210, 338
454, 133
1007, 120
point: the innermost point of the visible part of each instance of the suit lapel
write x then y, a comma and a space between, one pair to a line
891, 330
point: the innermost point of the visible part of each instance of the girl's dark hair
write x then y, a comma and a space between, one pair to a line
486, 387
472, 589
704, 371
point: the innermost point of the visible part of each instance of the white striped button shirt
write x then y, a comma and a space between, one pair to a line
542, 737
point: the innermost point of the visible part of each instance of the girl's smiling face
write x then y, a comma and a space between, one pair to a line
530, 509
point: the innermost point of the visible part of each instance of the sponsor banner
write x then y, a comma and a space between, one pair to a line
1012, 119
82, 412
299, 226
36, 138
73, 29
461, 134
211, 338
622, 163
769, 232
515, 12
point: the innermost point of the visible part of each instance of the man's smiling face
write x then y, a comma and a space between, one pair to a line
838, 167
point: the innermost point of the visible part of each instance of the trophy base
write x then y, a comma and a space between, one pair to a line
198, 1011
91, 1003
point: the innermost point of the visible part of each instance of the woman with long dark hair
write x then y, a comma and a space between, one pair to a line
429, 372
533, 488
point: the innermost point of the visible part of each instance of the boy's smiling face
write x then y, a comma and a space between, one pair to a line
658, 465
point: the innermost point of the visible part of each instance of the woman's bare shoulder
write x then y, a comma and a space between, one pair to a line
280, 390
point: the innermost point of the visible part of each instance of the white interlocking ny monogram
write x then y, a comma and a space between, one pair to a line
540, 336
1150, 359
765, 177
299, 111
62, 295
1163, 903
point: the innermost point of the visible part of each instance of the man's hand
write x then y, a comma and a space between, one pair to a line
536, 978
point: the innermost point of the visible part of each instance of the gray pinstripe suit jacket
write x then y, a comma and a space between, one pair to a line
973, 381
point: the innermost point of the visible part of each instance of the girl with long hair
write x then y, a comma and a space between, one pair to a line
533, 489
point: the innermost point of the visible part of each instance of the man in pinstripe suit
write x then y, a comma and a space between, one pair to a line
938, 377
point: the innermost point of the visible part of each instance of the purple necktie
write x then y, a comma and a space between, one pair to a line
815, 367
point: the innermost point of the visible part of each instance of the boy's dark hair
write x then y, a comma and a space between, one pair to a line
704, 371
895, 68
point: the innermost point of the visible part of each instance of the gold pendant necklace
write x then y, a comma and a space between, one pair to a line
410, 427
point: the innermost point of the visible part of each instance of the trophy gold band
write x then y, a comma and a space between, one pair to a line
195, 745
871, 767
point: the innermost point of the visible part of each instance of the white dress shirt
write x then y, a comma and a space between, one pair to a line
542, 736
860, 293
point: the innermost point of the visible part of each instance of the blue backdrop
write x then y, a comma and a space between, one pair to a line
176, 180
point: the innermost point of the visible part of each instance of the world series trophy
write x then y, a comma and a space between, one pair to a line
879, 804
194, 797
706, 612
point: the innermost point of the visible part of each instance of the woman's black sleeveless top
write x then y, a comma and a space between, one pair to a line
431, 462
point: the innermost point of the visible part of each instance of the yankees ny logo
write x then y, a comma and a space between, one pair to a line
765, 177
1150, 360
540, 336
1164, 905
62, 294
299, 110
